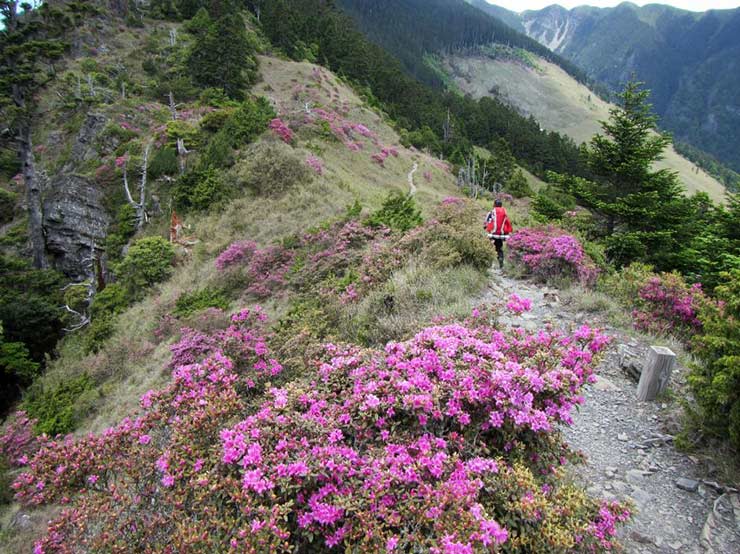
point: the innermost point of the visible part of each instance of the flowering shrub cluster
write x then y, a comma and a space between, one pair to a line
265, 269
279, 127
667, 304
18, 440
446, 443
343, 130
549, 252
518, 305
316, 164
381, 156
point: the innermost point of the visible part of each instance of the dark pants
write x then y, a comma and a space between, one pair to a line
499, 245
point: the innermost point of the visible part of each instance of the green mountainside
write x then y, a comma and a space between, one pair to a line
409, 29
689, 60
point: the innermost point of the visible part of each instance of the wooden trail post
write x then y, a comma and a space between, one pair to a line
655, 373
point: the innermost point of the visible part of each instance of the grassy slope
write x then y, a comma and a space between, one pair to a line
132, 362
560, 104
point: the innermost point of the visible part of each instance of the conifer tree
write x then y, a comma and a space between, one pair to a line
221, 56
29, 43
641, 209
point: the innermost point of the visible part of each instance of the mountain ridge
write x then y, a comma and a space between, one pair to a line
688, 60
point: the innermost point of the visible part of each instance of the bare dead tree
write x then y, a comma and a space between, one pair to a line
182, 152
447, 129
473, 176
140, 207
91, 85
83, 317
172, 105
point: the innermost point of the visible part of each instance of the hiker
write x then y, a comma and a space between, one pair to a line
498, 227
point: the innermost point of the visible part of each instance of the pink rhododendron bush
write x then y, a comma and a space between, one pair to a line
347, 258
445, 443
549, 252
666, 304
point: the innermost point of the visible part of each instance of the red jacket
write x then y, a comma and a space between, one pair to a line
498, 224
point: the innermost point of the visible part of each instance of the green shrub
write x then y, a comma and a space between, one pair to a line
218, 153
76, 297
248, 121
10, 164
126, 220
56, 407
398, 212
199, 190
148, 262
189, 303
116, 133
121, 231
7, 206
214, 121
164, 162
109, 301
114, 244
273, 169
15, 360
715, 379
550, 204
17, 235
97, 333
179, 129
518, 186
624, 285
454, 238
30, 305
214, 97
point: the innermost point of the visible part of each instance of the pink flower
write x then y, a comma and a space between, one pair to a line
145, 439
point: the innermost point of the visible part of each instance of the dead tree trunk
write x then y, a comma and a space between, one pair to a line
140, 206
182, 152
33, 198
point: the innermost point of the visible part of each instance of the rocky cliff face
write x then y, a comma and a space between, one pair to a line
75, 221
553, 26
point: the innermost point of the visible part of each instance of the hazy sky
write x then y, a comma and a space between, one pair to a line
693, 5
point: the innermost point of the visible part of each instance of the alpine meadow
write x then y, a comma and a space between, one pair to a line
364, 276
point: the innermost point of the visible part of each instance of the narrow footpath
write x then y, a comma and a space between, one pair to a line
629, 444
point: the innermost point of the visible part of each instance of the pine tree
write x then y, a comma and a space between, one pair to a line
29, 43
221, 56
641, 209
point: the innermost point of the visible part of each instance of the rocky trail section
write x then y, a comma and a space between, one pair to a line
628, 444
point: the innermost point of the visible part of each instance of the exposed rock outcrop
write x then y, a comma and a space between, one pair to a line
84, 148
74, 219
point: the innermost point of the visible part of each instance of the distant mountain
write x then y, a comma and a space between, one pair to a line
411, 29
690, 61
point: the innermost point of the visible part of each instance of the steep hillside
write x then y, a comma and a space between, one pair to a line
544, 91
689, 60
412, 28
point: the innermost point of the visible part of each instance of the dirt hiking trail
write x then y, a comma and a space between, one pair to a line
629, 444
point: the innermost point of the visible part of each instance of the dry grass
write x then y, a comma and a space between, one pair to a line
413, 298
